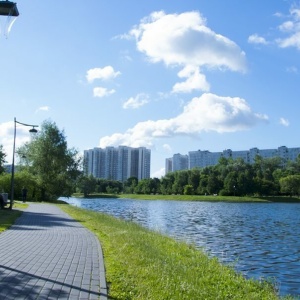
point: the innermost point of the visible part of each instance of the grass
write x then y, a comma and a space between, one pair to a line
8, 217
194, 197
142, 264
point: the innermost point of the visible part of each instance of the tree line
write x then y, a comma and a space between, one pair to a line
49, 169
266, 177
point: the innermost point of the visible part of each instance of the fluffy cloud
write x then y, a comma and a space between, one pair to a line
195, 81
292, 29
105, 73
206, 113
136, 102
256, 39
102, 92
184, 40
159, 173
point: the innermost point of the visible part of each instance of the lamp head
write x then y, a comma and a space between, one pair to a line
33, 130
8, 8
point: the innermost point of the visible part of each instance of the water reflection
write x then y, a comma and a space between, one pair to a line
259, 239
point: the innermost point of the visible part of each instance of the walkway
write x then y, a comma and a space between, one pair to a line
49, 255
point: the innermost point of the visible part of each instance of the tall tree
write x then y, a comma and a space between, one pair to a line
87, 184
55, 166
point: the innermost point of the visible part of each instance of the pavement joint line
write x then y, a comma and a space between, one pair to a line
49, 255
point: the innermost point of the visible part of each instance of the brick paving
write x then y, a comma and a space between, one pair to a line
48, 255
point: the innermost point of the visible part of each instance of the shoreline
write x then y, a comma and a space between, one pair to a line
283, 199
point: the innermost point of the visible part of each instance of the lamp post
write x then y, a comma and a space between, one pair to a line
32, 130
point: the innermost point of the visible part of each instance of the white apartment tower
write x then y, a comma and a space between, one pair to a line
202, 159
117, 163
180, 162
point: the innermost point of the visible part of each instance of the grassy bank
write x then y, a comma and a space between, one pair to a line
141, 264
194, 198
8, 217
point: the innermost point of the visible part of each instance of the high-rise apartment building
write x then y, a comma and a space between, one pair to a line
118, 163
206, 158
169, 165
180, 162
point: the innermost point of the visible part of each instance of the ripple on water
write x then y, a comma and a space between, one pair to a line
261, 240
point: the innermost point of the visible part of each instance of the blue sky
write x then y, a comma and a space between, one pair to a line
173, 76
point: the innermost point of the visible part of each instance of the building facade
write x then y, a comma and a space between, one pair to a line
117, 163
202, 159
180, 162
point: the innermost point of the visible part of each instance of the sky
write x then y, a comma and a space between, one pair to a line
172, 76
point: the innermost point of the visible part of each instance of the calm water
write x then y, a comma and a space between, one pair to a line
261, 240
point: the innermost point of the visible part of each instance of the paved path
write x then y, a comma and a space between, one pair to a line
48, 255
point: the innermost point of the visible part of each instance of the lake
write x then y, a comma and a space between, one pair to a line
260, 240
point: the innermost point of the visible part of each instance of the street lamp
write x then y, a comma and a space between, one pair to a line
32, 130
8, 8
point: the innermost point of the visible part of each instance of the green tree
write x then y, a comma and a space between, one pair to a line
55, 166
130, 185
87, 184
143, 187
202, 188
155, 185
5, 182
188, 190
114, 187
181, 179
230, 184
166, 183
194, 178
2, 159
290, 185
214, 185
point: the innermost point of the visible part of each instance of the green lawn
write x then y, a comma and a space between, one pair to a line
8, 217
142, 264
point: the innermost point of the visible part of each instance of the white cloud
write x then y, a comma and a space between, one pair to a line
185, 40
167, 148
136, 102
195, 81
256, 39
105, 73
286, 26
102, 92
278, 14
292, 29
43, 108
159, 173
284, 122
206, 113
292, 41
